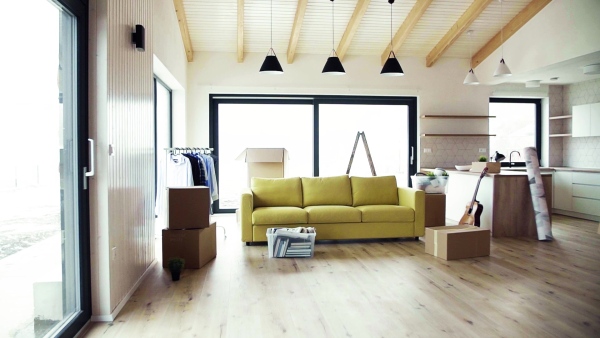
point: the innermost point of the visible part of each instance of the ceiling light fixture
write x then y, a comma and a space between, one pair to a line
592, 69
471, 78
271, 65
392, 66
333, 65
502, 69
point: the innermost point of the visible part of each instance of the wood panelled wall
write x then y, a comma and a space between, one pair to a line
124, 122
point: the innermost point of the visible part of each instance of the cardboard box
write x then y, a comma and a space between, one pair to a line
188, 208
435, 210
265, 162
196, 246
457, 242
493, 167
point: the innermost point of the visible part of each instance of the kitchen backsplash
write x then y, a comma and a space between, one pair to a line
580, 151
446, 152
555, 96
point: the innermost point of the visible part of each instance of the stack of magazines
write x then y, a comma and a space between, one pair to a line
291, 242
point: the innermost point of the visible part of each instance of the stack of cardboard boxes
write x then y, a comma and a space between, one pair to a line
190, 235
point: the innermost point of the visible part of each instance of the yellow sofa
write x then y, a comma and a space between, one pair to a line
338, 207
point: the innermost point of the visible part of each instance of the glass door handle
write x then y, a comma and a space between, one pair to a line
91, 172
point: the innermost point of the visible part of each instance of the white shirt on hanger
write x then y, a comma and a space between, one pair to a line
176, 171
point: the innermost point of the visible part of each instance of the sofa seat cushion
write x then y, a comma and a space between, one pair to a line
332, 214
279, 215
378, 190
277, 192
334, 190
386, 213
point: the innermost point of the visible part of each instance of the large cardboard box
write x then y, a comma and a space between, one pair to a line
188, 208
457, 242
265, 162
435, 210
196, 246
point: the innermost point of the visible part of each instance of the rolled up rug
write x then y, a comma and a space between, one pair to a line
538, 195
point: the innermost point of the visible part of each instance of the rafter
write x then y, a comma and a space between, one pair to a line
298, 20
183, 28
457, 29
507, 31
359, 12
407, 26
240, 30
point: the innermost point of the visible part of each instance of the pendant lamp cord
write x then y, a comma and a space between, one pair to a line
332, 29
391, 45
501, 29
272, 25
470, 49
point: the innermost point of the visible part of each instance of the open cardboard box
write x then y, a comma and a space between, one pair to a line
457, 242
265, 162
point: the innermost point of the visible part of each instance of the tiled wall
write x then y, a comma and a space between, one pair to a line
555, 96
446, 152
581, 152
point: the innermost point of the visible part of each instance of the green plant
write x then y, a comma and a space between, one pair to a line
445, 173
482, 158
430, 174
176, 264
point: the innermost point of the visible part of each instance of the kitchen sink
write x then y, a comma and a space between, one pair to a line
512, 164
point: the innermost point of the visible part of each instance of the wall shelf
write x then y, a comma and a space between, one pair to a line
560, 117
459, 135
456, 117
559, 135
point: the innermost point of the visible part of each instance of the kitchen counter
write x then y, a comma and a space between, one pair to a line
543, 169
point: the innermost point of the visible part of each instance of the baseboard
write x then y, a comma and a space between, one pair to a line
119, 307
576, 214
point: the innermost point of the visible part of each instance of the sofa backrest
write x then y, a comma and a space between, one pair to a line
377, 190
334, 190
277, 192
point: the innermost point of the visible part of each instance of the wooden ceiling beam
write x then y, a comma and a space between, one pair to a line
298, 20
359, 12
511, 28
407, 26
456, 30
183, 28
240, 30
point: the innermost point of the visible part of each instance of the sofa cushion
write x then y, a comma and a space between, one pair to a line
277, 192
378, 190
279, 215
386, 213
333, 190
333, 214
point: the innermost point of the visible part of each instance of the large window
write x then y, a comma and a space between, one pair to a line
162, 135
317, 131
516, 126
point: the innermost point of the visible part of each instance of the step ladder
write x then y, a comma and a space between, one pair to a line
360, 134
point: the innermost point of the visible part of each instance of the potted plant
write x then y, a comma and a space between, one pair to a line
482, 158
175, 266
482, 162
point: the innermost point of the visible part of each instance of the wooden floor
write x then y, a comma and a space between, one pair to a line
525, 288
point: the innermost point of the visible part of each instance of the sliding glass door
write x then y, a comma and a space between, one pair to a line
44, 236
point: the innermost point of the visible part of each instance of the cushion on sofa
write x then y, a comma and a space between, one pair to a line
279, 215
333, 214
386, 213
378, 190
277, 192
333, 190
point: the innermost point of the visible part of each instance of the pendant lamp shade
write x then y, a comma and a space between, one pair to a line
471, 78
334, 66
271, 65
392, 66
502, 70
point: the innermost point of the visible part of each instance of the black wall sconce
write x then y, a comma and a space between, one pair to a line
138, 38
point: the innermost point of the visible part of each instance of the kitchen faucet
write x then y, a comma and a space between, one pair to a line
510, 156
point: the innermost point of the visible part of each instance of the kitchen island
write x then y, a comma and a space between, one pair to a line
505, 196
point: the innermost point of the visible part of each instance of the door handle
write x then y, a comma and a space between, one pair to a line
412, 155
91, 172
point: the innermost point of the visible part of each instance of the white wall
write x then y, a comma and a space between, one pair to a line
439, 89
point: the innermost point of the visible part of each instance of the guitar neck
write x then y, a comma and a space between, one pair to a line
477, 188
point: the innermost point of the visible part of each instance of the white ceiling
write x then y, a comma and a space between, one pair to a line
213, 28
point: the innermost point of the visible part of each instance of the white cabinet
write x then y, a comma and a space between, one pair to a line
562, 195
586, 120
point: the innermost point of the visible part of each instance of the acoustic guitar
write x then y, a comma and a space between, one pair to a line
474, 209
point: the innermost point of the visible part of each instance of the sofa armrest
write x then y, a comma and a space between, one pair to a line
415, 199
246, 208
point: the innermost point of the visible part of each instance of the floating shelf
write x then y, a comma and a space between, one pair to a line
560, 117
559, 135
459, 135
456, 117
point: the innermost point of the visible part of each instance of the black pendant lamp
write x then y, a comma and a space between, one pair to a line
271, 65
392, 66
333, 65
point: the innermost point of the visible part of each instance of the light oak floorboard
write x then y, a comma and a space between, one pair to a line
387, 288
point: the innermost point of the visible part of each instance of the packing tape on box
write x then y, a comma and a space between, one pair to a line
435, 243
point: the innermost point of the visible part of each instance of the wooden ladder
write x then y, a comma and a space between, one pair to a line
364, 139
